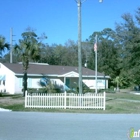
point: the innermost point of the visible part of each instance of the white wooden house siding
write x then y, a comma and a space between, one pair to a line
9, 79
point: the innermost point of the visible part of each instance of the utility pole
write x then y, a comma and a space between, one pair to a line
95, 49
11, 45
79, 47
79, 3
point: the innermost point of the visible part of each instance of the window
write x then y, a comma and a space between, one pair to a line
99, 81
29, 82
20, 82
4, 82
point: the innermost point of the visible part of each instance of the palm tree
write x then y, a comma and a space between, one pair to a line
3, 45
28, 49
119, 81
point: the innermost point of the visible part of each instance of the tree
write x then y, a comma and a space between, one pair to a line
71, 53
47, 55
107, 53
128, 34
119, 82
60, 54
28, 50
3, 46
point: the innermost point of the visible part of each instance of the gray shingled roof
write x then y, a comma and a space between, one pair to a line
48, 69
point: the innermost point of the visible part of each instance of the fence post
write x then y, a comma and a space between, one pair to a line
65, 100
25, 98
104, 100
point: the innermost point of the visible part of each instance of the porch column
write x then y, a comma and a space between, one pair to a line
64, 83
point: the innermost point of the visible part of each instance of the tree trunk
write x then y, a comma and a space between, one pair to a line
117, 87
24, 83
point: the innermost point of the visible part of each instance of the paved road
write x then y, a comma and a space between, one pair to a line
65, 126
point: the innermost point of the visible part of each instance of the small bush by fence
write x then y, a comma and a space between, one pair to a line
65, 100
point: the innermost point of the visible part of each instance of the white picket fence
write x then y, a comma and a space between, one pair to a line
65, 100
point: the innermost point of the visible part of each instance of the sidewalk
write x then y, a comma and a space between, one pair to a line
127, 100
2, 109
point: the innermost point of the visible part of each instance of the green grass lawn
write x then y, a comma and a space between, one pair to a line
120, 103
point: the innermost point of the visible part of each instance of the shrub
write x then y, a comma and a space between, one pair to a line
37, 90
1, 95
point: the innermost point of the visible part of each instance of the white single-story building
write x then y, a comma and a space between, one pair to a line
11, 76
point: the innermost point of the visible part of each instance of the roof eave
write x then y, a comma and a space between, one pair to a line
51, 75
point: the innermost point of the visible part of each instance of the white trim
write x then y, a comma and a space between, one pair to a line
64, 75
70, 74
